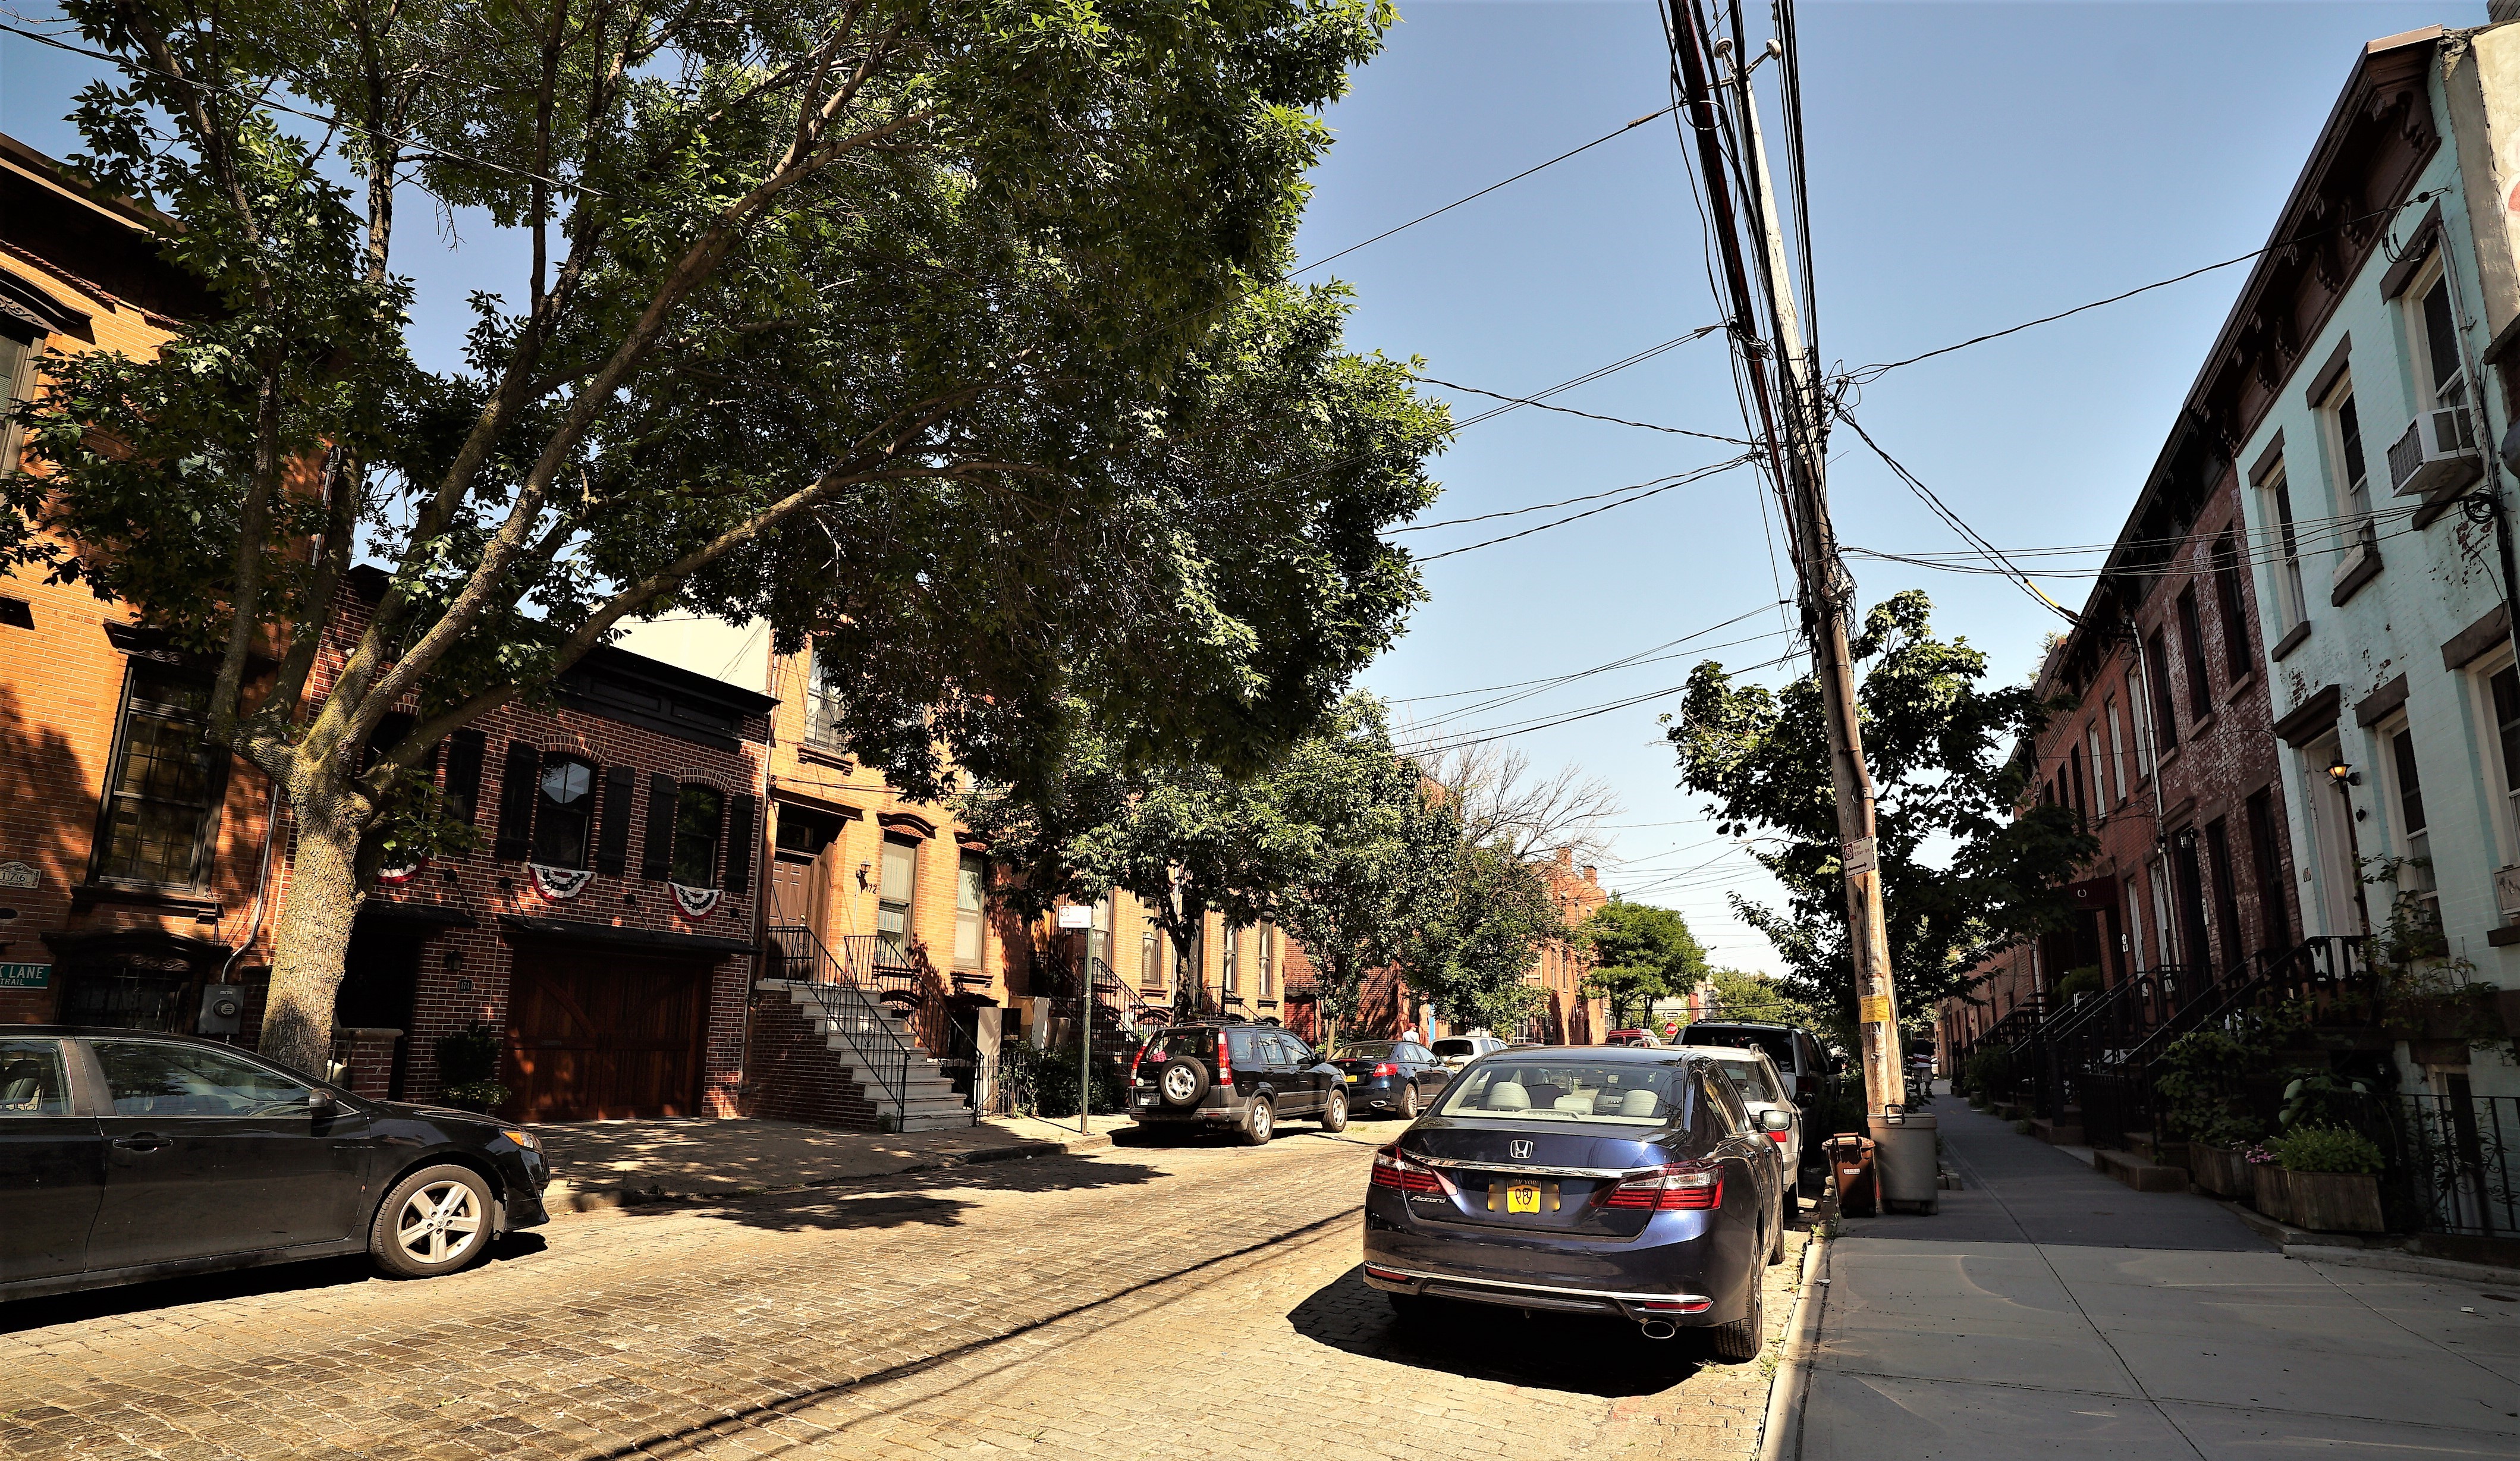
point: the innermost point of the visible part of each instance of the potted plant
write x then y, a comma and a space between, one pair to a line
2324, 1178
2216, 1156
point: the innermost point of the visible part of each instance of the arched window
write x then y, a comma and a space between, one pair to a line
563, 812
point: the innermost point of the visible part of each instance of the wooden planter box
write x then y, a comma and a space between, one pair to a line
2219, 1170
2321, 1202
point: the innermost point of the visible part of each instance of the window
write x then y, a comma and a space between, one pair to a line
147, 1077
34, 1080
2117, 751
563, 811
896, 920
971, 900
2350, 473
2100, 775
161, 803
2291, 602
2503, 689
2074, 780
1267, 961
1229, 968
822, 708
700, 820
2266, 857
2135, 923
18, 352
1151, 960
2191, 649
2165, 720
2436, 326
2227, 898
2228, 589
2415, 836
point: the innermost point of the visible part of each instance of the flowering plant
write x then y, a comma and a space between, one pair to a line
2257, 1154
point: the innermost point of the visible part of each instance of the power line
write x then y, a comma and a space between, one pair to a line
1483, 193
1681, 481
1591, 415
1620, 663
1954, 520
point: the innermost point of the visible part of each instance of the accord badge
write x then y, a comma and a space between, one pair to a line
1519, 1151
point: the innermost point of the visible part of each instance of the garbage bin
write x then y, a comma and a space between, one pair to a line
1906, 1167
1849, 1162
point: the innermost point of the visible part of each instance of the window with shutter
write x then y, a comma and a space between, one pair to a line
621, 789
700, 820
658, 857
563, 812
739, 844
464, 774
516, 803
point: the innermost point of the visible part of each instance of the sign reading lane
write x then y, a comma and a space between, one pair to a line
25, 976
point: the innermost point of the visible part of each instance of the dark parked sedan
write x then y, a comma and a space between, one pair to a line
1400, 1075
126, 1155
1626, 1183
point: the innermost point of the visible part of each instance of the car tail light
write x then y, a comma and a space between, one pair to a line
1677, 1306
1136, 1061
1686, 1187
1385, 1067
1393, 1171
1223, 1060
1781, 1136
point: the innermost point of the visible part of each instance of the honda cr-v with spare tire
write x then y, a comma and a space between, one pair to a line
1243, 1079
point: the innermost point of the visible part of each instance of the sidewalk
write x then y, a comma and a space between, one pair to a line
612, 1163
2051, 1312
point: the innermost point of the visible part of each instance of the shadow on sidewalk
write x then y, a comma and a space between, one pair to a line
1572, 1353
904, 1198
22, 1314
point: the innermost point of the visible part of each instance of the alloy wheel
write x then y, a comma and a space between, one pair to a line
440, 1223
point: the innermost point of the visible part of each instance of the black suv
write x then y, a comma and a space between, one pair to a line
1243, 1077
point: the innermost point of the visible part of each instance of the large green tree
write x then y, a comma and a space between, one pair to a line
1475, 942
1639, 953
1966, 868
948, 332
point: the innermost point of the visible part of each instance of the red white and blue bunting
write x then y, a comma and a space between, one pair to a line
561, 884
697, 902
402, 874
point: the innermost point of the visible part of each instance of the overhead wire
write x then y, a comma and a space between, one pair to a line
1955, 522
1683, 480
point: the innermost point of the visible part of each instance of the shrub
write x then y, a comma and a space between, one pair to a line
1043, 1083
1990, 1071
468, 1067
2327, 1149
2079, 982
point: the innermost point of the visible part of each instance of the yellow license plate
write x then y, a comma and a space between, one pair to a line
1522, 1198
1353, 1079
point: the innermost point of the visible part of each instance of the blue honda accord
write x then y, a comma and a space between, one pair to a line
1624, 1182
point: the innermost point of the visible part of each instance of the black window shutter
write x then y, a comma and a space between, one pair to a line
516, 803
661, 828
464, 774
739, 844
612, 854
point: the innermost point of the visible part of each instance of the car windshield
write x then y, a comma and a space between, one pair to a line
1367, 1050
1778, 1043
1749, 1078
1567, 1091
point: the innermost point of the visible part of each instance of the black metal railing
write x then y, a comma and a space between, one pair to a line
2455, 1163
852, 1002
888, 962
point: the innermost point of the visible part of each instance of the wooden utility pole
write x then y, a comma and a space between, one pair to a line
1798, 458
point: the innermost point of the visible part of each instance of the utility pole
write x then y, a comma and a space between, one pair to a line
1800, 463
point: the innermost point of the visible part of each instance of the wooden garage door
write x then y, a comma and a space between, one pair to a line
604, 1037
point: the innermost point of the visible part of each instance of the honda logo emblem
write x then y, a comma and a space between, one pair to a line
1521, 1151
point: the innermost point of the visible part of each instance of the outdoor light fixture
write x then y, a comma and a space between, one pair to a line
2342, 774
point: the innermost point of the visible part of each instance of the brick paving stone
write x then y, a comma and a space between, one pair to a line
1141, 1302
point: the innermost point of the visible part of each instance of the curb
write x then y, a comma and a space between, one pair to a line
571, 1202
1802, 1335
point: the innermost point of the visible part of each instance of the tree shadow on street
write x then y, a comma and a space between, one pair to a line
1573, 1352
930, 1198
159, 1294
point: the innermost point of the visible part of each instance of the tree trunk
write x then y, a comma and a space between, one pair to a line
311, 936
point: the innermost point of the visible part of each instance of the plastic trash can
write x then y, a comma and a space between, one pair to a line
1907, 1167
1849, 1162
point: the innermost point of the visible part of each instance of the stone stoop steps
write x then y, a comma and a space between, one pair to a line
932, 1105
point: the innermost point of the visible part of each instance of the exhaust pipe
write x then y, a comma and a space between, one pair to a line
1658, 1329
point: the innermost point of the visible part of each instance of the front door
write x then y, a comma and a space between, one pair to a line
209, 1152
379, 987
605, 1037
52, 1164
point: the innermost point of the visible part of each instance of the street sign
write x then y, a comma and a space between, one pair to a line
25, 976
1076, 916
1858, 855
1873, 1009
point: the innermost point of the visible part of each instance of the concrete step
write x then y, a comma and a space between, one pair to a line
2057, 1132
2140, 1174
917, 1123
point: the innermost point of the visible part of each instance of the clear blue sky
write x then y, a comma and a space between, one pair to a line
1973, 165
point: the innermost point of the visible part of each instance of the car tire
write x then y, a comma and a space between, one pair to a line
1259, 1123
1335, 1115
1182, 1082
1409, 1102
1777, 1243
433, 1222
1741, 1339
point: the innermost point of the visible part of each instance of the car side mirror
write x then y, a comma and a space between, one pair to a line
323, 1106
1774, 1119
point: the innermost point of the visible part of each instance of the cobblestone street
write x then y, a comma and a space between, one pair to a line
1141, 1302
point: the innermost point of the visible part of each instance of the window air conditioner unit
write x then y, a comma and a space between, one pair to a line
2437, 452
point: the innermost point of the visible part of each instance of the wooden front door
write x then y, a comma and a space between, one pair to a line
605, 1037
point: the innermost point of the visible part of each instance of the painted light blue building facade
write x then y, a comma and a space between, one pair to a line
2373, 375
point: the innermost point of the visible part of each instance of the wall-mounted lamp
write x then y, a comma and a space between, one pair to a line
448, 874
862, 869
2342, 774
455, 958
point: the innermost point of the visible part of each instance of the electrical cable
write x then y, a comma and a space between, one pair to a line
1954, 520
1474, 197
1699, 474
1591, 415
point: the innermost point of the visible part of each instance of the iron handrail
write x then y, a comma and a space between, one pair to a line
853, 1005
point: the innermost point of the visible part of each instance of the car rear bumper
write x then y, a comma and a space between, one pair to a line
1675, 1308
1680, 1259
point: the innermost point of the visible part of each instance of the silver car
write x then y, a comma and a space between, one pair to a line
1761, 1090
1457, 1051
